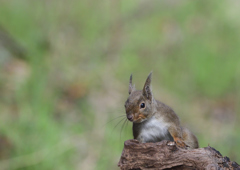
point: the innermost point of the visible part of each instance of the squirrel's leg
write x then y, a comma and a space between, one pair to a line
189, 138
176, 133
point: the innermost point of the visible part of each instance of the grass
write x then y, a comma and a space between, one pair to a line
55, 103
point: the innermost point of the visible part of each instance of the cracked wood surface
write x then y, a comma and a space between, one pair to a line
166, 155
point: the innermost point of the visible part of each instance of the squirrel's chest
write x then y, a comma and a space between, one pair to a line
153, 130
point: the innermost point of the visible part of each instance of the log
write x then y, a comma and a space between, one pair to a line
166, 155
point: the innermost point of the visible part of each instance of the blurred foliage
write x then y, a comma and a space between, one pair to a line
65, 66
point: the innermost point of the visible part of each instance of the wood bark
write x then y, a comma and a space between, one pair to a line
166, 155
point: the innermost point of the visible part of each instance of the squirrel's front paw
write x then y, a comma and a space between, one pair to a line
141, 139
180, 143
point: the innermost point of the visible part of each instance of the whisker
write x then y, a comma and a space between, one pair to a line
127, 124
114, 119
118, 124
122, 128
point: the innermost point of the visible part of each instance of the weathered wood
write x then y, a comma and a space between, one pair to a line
166, 155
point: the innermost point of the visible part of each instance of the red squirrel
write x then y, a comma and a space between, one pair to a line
153, 121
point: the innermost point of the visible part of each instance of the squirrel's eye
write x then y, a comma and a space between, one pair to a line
142, 105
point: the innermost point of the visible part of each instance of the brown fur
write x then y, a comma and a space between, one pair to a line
156, 117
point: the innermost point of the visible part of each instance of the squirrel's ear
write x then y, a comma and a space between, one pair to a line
131, 87
147, 91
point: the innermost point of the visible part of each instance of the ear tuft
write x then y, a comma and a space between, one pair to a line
147, 91
131, 87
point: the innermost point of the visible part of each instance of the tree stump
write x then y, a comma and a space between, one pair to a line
166, 155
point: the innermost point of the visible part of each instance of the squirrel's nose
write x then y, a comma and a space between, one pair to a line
130, 117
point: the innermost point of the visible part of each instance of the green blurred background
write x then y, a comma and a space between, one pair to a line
65, 67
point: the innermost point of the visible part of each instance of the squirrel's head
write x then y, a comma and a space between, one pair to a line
139, 105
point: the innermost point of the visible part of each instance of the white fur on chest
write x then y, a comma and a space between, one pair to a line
154, 130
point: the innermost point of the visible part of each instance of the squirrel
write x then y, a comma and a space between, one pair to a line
154, 121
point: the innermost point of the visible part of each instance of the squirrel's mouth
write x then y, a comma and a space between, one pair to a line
136, 119
130, 118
